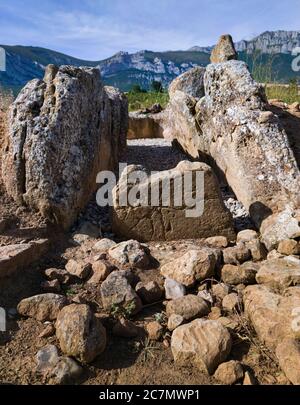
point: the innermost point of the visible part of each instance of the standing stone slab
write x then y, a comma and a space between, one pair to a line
62, 131
168, 221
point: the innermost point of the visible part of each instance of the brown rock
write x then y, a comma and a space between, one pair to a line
230, 372
215, 313
166, 221
288, 354
43, 307
220, 290
174, 321
154, 330
79, 269
189, 307
237, 254
204, 343
246, 235
149, 292
103, 245
289, 247
58, 274
231, 303
80, 333
257, 250
116, 292
224, 50
235, 275
100, 271
279, 273
272, 315
47, 332
195, 265
217, 241
52, 286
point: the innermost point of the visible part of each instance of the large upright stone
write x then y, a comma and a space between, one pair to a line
247, 142
179, 117
224, 50
150, 221
231, 126
62, 131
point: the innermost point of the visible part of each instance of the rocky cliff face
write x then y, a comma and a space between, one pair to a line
62, 131
271, 42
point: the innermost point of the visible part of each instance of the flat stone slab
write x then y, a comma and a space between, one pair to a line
16, 257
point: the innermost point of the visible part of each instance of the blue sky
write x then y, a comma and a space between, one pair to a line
96, 29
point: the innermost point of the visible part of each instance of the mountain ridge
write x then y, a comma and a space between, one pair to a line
125, 69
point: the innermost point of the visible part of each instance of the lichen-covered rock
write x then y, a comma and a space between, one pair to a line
204, 343
62, 131
225, 124
171, 220
266, 179
224, 50
190, 83
43, 307
80, 333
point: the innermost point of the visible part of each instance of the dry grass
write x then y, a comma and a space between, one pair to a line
289, 94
